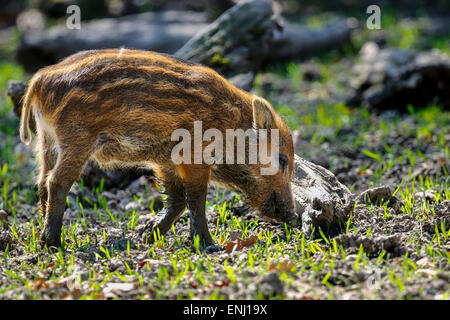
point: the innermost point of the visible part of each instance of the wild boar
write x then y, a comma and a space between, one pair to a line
119, 107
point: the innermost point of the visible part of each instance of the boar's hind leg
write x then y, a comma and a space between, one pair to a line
69, 166
175, 201
196, 178
47, 155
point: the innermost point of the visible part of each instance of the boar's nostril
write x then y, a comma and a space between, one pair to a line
290, 217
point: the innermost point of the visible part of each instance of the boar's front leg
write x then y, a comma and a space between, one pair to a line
175, 201
196, 178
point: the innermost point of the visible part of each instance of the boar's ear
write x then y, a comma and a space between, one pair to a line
262, 114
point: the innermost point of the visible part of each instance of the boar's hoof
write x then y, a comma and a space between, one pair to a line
213, 248
290, 217
146, 232
51, 240
205, 239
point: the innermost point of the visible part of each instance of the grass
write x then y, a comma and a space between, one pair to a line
320, 266
174, 264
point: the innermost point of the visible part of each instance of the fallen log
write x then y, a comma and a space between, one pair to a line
163, 31
247, 36
294, 39
241, 40
238, 40
321, 200
394, 78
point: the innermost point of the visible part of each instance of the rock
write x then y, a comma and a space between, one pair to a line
138, 185
6, 240
393, 78
4, 219
378, 195
122, 243
442, 209
371, 246
113, 234
91, 251
428, 195
133, 206
110, 196
235, 234
16, 90
213, 249
114, 290
243, 81
268, 285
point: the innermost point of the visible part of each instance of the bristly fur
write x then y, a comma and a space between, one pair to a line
119, 107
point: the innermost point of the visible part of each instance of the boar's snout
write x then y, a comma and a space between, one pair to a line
290, 217
279, 208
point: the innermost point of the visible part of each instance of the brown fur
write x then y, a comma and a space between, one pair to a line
119, 107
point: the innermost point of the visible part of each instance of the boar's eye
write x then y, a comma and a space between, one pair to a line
283, 161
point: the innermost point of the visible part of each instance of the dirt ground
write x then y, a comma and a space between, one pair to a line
397, 249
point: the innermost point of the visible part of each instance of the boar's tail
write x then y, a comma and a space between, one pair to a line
25, 132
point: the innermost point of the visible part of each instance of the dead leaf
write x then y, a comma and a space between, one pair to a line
151, 292
65, 295
239, 244
248, 242
99, 296
284, 266
222, 283
4, 218
40, 284
143, 263
229, 246
193, 285
76, 293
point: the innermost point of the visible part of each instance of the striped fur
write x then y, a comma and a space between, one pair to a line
119, 107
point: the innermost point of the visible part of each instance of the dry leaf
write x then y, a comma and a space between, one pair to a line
229, 246
284, 266
4, 218
193, 285
40, 284
239, 244
222, 283
76, 293
151, 262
